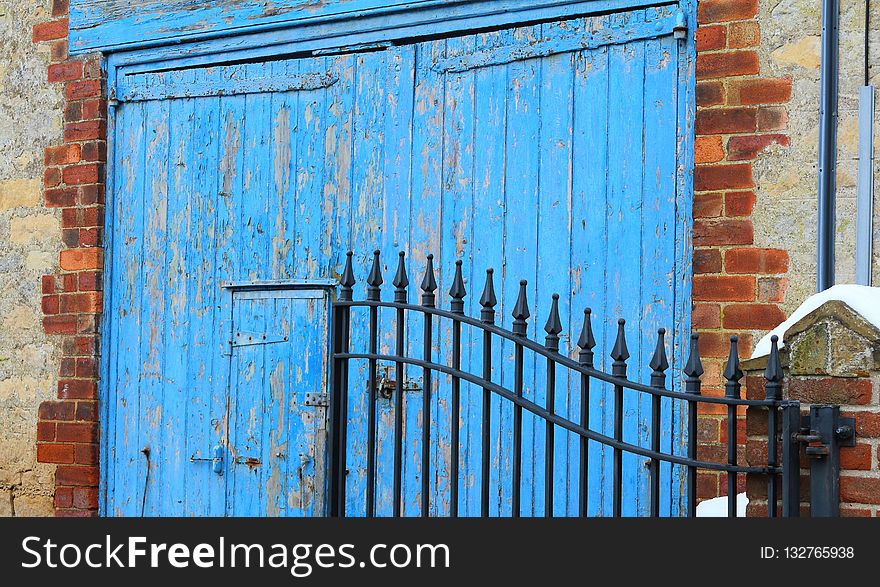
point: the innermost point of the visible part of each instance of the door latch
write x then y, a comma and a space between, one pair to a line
216, 459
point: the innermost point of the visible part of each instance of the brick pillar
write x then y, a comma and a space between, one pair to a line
67, 429
738, 287
831, 356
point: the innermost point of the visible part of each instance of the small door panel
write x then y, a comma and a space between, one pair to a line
277, 387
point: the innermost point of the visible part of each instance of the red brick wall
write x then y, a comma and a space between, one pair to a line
67, 430
859, 398
738, 287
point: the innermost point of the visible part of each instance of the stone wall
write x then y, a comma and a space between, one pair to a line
30, 239
756, 179
785, 212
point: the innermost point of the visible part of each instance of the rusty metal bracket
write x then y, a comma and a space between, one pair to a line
824, 431
320, 400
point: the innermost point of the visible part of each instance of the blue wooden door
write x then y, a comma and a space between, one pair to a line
555, 152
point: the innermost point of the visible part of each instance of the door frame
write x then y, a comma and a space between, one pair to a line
352, 34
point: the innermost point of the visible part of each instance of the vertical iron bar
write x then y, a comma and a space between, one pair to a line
371, 414
618, 370
517, 430
586, 342
520, 315
454, 417
487, 424
426, 420
374, 281
659, 364
551, 343
487, 315
549, 440
400, 296
772, 495
342, 470
732, 390
399, 372
335, 418
693, 370
791, 460
731, 460
457, 292
429, 285
341, 334
773, 387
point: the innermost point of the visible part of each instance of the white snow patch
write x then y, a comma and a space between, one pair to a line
861, 298
717, 508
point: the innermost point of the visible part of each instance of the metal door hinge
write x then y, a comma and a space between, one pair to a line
316, 400
680, 30
242, 338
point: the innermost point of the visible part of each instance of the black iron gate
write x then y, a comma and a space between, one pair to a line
822, 432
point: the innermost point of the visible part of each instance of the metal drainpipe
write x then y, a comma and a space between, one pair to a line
865, 202
827, 144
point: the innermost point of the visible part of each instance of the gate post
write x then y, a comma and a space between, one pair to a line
791, 460
828, 432
832, 363
340, 332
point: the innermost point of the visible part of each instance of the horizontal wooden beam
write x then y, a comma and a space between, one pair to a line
117, 25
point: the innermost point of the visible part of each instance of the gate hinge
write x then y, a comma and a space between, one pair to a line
679, 30
824, 431
817, 444
320, 400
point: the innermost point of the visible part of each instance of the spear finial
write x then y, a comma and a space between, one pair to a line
488, 300
457, 292
429, 284
401, 280
553, 326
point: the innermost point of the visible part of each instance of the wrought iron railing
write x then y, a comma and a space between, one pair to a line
583, 369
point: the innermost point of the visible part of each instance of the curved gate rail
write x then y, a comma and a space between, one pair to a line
584, 367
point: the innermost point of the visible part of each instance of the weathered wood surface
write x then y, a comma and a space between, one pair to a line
563, 169
111, 25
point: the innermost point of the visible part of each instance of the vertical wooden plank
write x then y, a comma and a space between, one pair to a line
686, 111
521, 225
589, 252
152, 302
456, 244
170, 456
308, 375
247, 388
490, 104
123, 388
625, 136
310, 203
232, 125
554, 242
256, 245
658, 243
398, 101
283, 212
207, 368
426, 180
339, 187
366, 234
